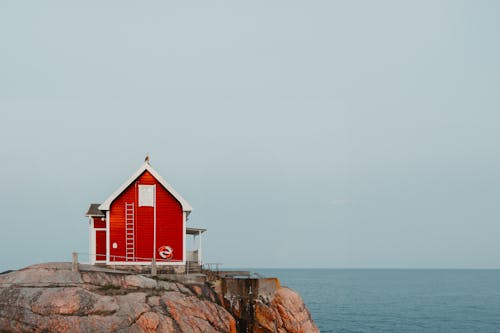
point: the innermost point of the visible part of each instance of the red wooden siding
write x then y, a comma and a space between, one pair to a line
100, 244
169, 223
98, 223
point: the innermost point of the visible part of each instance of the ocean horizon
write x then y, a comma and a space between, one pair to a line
397, 299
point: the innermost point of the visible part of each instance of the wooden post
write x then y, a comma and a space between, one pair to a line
153, 267
199, 248
75, 262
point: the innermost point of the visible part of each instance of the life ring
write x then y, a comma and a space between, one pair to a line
166, 252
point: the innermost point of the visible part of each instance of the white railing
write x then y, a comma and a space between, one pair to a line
112, 258
113, 263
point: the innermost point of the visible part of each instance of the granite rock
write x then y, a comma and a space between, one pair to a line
52, 298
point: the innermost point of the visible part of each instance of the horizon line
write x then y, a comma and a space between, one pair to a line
371, 268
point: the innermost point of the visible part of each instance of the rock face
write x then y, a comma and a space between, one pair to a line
285, 313
52, 298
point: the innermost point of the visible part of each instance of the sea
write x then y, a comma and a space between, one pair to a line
397, 300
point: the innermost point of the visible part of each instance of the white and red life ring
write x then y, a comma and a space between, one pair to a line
166, 252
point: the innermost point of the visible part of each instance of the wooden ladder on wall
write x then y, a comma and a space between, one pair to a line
129, 232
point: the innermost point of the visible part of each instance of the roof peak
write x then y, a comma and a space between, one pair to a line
146, 166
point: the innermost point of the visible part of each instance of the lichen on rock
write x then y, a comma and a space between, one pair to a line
286, 312
52, 298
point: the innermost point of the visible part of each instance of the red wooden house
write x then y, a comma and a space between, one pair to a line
144, 219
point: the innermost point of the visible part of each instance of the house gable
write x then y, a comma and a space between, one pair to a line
169, 226
186, 207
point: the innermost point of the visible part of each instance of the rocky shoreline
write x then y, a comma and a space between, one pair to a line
51, 297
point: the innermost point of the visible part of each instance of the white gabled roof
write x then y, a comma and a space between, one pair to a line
186, 207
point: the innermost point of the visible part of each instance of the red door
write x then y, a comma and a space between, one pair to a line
100, 245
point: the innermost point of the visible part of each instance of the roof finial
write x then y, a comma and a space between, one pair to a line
147, 158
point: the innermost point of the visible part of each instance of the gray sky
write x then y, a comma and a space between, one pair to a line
304, 133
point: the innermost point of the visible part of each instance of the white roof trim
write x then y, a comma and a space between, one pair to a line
186, 207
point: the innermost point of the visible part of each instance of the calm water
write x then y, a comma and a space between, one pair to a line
345, 300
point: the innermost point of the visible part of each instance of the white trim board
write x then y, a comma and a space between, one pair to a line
91, 240
107, 237
144, 263
184, 236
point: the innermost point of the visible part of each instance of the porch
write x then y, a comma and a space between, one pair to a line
194, 258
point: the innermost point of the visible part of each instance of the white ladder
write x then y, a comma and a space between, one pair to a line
129, 232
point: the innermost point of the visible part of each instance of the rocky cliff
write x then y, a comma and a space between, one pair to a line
53, 298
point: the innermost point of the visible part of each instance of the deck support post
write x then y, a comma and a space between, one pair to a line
153, 267
74, 266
